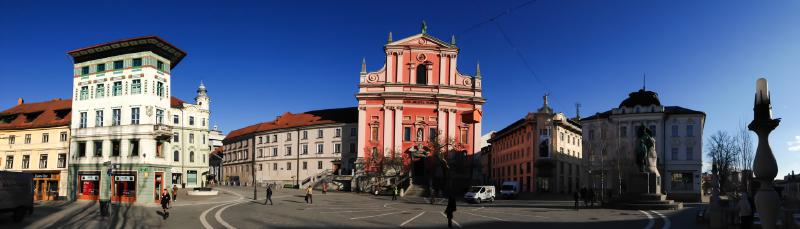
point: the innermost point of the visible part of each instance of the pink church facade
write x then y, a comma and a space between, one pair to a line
417, 97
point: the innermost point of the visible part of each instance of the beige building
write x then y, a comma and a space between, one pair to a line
34, 138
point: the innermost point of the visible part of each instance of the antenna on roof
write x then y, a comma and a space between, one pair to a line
578, 110
644, 81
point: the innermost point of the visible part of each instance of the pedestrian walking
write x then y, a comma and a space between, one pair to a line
174, 192
745, 212
394, 193
584, 197
590, 192
577, 197
164, 202
269, 195
309, 198
451, 207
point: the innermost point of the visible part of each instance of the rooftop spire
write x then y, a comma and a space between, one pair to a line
478, 70
390, 37
546, 106
644, 81
364, 65
424, 27
453, 40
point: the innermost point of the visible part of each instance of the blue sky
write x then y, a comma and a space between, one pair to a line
260, 59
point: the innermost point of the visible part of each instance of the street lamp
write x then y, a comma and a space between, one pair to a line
764, 166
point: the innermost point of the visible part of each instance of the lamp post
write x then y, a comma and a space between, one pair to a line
764, 166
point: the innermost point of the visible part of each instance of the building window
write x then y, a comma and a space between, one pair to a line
62, 160
82, 124
101, 67
274, 138
305, 149
175, 119
84, 93
160, 65
288, 166
85, 70
623, 131
675, 154
432, 134
176, 137
690, 131
204, 139
176, 156
118, 65
9, 162
305, 134
115, 148
374, 133
352, 132
135, 116
43, 161
319, 164
689, 153
12, 139
81, 149
115, 117
352, 147
191, 138
653, 130
337, 148
137, 62
682, 181
191, 156
319, 133
159, 116
160, 89
191, 120
136, 87
98, 120
464, 136
203, 122
274, 152
45, 138
288, 137
26, 161
275, 166
134, 147
422, 74
674, 130
63, 136
320, 148
305, 165
338, 132
100, 91
116, 90
98, 148
406, 133
260, 167
27, 138
288, 150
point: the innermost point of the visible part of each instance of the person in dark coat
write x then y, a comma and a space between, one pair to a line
577, 200
451, 207
269, 195
164, 202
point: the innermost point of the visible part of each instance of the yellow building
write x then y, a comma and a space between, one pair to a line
34, 138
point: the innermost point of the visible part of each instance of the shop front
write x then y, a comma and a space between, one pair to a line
45, 186
124, 187
88, 185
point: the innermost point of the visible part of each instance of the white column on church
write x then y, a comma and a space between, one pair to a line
362, 131
441, 121
398, 130
452, 70
400, 66
388, 125
441, 68
389, 67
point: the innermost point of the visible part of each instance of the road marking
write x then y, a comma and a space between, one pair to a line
364, 217
509, 213
454, 221
218, 216
203, 215
412, 219
667, 222
478, 208
650, 222
489, 217
376, 210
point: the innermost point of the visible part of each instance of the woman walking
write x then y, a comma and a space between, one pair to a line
164, 202
451, 207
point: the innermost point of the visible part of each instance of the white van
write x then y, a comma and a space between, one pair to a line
509, 189
479, 194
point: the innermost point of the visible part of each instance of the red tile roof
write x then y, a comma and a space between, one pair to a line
310, 118
57, 112
175, 102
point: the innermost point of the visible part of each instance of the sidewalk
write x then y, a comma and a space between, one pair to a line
86, 214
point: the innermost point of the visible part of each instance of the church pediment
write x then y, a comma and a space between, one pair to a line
422, 40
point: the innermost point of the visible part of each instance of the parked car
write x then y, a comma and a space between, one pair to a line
509, 189
480, 193
16, 194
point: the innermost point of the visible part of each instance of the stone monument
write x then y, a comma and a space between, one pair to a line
644, 185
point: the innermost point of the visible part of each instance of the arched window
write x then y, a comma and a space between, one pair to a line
422, 74
191, 156
176, 156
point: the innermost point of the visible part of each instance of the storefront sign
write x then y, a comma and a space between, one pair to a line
90, 178
175, 170
124, 178
42, 175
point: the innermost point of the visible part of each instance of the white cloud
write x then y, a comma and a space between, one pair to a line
706, 166
794, 145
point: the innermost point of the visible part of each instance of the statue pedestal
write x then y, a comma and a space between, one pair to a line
644, 193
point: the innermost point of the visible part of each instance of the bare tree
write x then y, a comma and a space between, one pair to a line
723, 151
746, 154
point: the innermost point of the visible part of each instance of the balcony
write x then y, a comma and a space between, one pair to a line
162, 132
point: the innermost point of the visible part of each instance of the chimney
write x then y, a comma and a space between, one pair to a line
20, 101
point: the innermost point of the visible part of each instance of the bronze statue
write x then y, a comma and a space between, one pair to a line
645, 150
